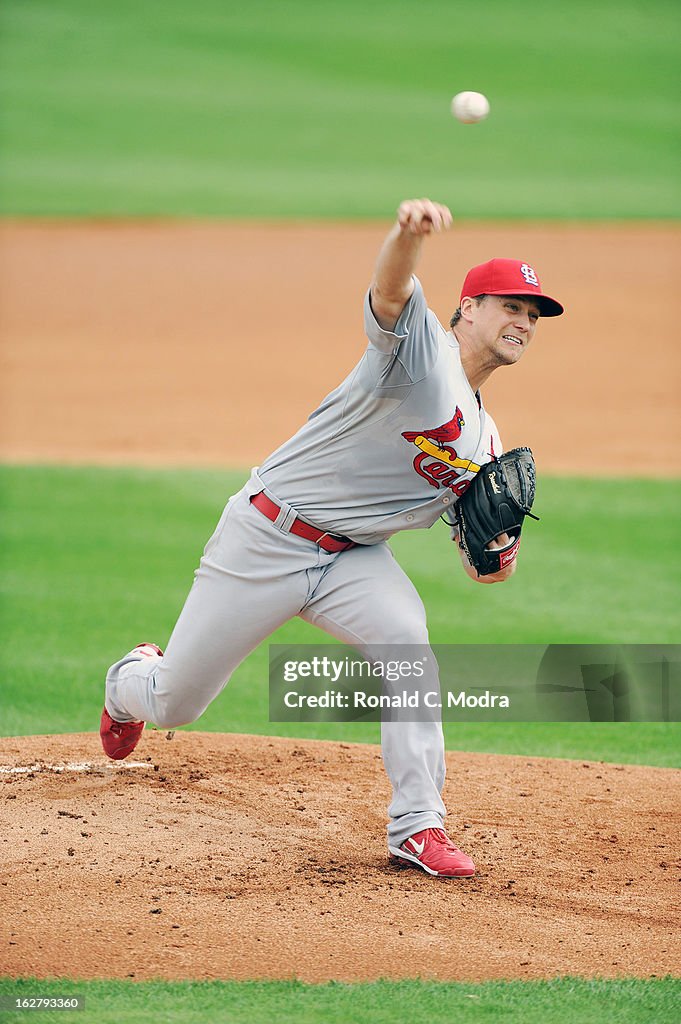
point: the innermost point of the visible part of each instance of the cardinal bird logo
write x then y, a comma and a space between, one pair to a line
433, 445
449, 431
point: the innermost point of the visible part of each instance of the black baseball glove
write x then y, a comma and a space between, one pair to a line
497, 501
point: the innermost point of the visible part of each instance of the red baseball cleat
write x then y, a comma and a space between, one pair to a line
120, 738
434, 851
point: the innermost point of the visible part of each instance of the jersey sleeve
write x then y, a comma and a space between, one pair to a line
414, 340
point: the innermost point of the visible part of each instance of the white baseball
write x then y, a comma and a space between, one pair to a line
470, 107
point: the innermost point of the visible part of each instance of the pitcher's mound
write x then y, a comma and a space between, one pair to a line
221, 856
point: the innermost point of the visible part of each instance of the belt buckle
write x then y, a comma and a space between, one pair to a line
344, 543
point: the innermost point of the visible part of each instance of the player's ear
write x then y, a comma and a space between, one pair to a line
468, 305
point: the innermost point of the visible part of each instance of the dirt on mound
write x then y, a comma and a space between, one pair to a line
223, 856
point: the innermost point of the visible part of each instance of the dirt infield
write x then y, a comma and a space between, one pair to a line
245, 857
209, 344
242, 856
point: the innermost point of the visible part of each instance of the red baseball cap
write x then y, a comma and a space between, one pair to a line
509, 277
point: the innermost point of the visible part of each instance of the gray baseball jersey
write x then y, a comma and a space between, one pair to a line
396, 443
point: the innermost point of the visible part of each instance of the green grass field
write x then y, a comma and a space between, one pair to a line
333, 109
562, 1001
96, 560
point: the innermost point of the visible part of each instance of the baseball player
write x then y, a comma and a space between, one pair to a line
394, 447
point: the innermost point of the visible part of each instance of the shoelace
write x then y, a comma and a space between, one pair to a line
117, 727
442, 838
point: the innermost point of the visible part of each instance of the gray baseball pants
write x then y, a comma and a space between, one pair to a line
253, 577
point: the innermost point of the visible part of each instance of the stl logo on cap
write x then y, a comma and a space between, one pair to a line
529, 274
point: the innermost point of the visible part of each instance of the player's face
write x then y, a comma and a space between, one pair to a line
503, 326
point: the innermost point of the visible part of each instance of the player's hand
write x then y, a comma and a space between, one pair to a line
422, 216
502, 541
